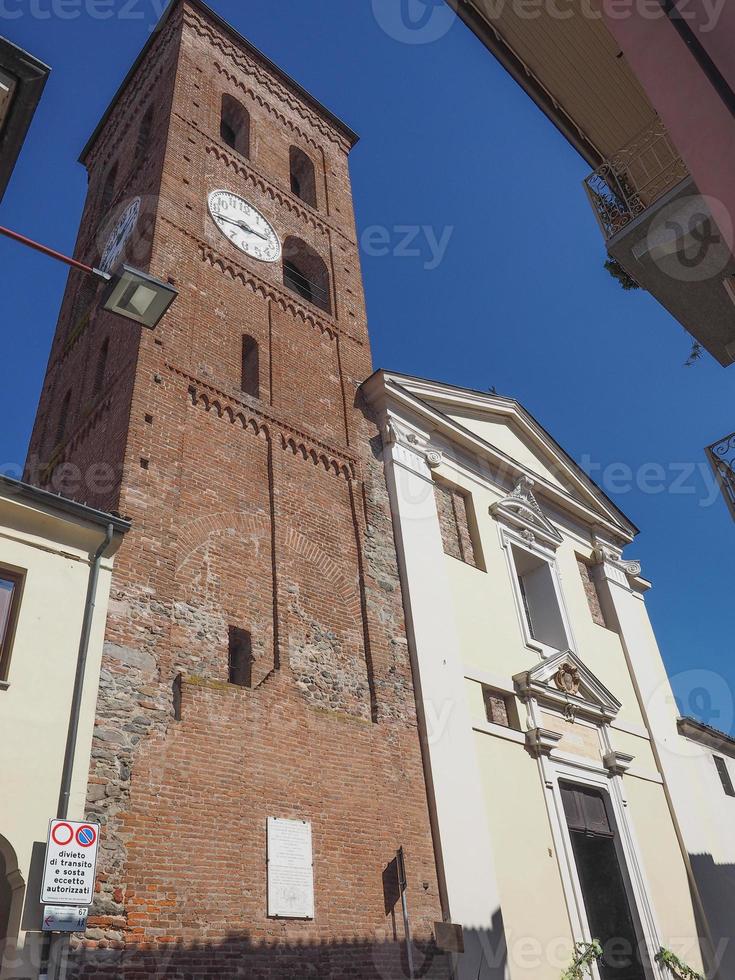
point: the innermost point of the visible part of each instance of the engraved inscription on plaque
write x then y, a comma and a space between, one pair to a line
290, 869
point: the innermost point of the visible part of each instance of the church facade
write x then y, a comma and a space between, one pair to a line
545, 708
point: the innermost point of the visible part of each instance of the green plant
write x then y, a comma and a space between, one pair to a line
694, 354
680, 970
585, 954
618, 272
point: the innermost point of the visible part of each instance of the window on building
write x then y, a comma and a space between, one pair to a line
305, 273
108, 190
303, 176
63, 418
234, 128
589, 581
101, 370
500, 708
250, 368
10, 588
724, 773
144, 134
593, 838
240, 657
539, 598
454, 520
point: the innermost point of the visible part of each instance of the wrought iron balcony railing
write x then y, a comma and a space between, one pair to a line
722, 459
635, 178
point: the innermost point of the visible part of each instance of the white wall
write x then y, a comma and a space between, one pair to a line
54, 553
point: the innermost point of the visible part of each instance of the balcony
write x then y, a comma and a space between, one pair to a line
722, 459
634, 179
668, 236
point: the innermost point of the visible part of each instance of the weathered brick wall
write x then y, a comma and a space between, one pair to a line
590, 589
269, 515
451, 505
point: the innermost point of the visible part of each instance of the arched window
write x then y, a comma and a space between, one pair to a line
234, 127
144, 134
305, 273
108, 189
63, 417
250, 372
303, 176
99, 375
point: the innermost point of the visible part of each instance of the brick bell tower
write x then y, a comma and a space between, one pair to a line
255, 665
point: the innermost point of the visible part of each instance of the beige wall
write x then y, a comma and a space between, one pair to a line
53, 552
470, 619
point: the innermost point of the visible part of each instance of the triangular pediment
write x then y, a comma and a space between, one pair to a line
564, 679
501, 429
521, 510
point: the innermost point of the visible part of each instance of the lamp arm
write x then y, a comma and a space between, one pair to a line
52, 253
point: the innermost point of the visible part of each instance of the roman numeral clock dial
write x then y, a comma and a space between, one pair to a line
245, 226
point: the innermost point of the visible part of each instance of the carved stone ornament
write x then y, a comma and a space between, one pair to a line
611, 557
434, 458
567, 679
521, 510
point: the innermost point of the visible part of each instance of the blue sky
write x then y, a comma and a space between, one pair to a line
519, 299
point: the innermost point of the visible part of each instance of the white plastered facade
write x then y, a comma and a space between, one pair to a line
506, 864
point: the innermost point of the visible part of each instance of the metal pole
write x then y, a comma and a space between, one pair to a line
403, 884
52, 253
59, 941
76, 701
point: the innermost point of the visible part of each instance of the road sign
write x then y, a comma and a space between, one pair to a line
64, 918
71, 857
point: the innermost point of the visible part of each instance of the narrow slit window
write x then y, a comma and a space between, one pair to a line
63, 418
303, 176
240, 657
108, 190
101, 371
144, 134
250, 367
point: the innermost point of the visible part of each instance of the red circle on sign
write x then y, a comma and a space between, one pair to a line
55, 834
86, 836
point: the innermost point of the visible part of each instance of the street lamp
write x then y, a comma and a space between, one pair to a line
129, 292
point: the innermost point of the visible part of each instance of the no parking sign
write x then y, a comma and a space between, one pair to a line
71, 858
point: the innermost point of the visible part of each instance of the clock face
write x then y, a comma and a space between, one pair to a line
123, 229
245, 226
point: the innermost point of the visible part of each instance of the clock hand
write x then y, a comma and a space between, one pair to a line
244, 225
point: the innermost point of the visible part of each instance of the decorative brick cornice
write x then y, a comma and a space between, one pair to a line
249, 66
131, 103
270, 109
268, 424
